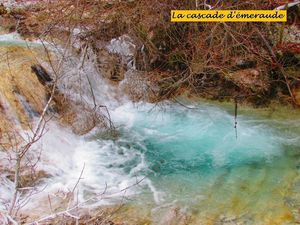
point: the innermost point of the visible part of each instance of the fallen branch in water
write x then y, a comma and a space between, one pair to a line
235, 116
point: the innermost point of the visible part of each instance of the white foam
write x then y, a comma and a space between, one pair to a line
66, 155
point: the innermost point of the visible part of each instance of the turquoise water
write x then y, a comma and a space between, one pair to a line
195, 161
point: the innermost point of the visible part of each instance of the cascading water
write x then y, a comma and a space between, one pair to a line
173, 157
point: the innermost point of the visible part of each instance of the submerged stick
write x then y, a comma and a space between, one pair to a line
235, 115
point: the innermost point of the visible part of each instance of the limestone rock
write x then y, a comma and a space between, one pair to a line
20, 88
135, 85
139, 87
251, 79
110, 65
83, 123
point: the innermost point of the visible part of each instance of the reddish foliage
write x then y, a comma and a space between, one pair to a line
289, 47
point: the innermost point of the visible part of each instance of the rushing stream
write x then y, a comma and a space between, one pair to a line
187, 158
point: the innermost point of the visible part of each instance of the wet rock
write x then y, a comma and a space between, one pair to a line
20, 87
83, 119
42, 75
115, 57
139, 87
134, 85
110, 65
